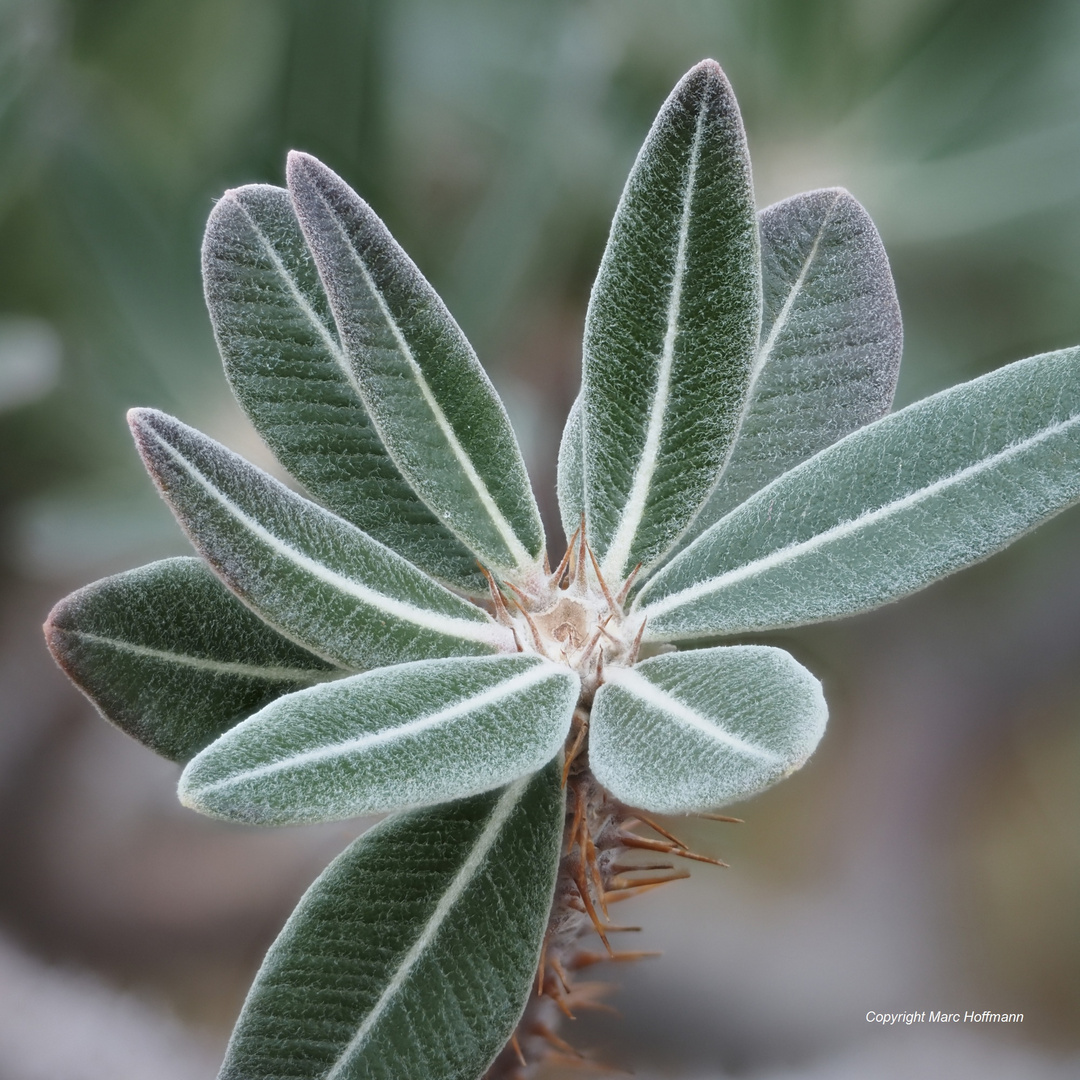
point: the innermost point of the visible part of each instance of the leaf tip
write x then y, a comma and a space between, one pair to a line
703, 75
300, 166
316, 190
139, 419
188, 792
708, 67
143, 424
54, 630
62, 637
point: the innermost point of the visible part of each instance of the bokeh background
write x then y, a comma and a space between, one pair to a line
929, 855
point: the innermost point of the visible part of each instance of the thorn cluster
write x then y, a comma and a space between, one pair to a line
571, 615
600, 866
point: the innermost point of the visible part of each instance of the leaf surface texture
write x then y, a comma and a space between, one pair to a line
290, 373
308, 572
831, 340
570, 475
172, 657
414, 953
402, 736
672, 327
432, 404
686, 731
887, 510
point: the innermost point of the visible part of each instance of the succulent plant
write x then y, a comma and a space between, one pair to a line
398, 642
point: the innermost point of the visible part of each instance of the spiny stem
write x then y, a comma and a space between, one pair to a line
597, 869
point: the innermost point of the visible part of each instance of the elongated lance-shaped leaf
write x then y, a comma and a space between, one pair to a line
687, 731
170, 656
310, 574
828, 360
402, 736
289, 372
570, 478
672, 327
831, 340
885, 511
414, 953
432, 404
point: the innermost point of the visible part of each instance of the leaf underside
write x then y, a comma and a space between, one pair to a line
402, 736
672, 327
432, 403
414, 953
290, 374
310, 574
170, 656
693, 730
887, 510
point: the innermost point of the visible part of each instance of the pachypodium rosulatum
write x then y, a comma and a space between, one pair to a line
398, 642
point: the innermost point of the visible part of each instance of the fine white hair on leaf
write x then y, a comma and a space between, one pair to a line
831, 340
408, 735
671, 329
434, 913
689, 731
885, 511
430, 400
570, 476
168, 654
309, 573
288, 370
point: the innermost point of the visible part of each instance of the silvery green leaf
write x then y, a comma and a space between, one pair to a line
570, 478
313, 576
672, 327
434, 407
686, 731
288, 370
885, 511
401, 736
414, 953
831, 339
170, 656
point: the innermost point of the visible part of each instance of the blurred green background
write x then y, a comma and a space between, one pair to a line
928, 857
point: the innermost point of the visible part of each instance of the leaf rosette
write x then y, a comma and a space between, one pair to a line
395, 641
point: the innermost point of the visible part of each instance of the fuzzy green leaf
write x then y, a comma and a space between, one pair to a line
831, 340
431, 402
885, 511
170, 656
402, 736
570, 477
687, 731
413, 955
672, 327
287, 368
313, 576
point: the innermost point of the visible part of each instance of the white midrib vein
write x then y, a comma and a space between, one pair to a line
538, 673
614, 565
400, 609
484, 843
506, 533
760, 360
846, 528
640, 687
333, 346
215, 667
